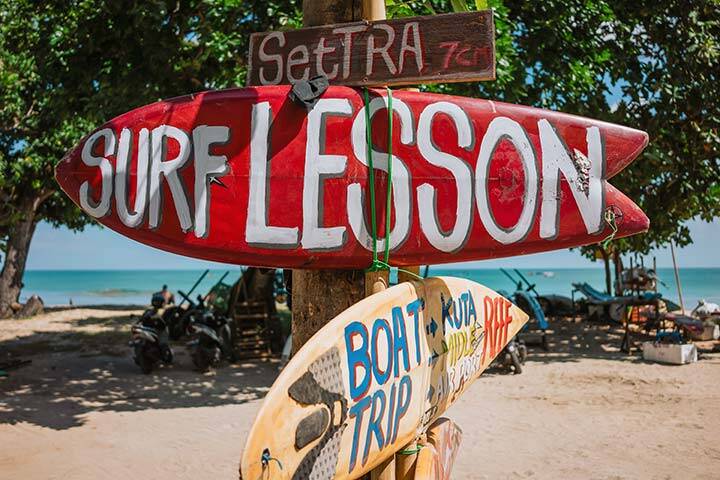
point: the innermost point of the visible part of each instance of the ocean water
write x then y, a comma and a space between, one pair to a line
117, 287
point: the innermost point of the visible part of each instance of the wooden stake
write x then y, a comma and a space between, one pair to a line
378, 281
373, 10
405, 463
384, 471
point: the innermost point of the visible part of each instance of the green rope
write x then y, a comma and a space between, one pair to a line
389, 177
378, 264
368, 141
610, 220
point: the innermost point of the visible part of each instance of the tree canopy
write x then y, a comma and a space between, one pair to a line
66, 67
651, 65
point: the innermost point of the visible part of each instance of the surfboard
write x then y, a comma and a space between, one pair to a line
435, 459
246, 176
375, 377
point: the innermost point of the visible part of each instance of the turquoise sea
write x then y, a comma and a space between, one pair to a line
94, 287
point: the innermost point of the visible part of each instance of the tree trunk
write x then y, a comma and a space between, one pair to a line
618, 272
319, 296
608, 279
16, 252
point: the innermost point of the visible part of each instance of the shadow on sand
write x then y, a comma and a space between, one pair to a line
78, 373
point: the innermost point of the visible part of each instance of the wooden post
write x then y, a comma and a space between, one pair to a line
320, 295
384, 471
409, 273
405, 463
373, 10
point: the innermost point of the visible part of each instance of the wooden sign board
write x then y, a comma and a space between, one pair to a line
246, 176
455, 47
375, 377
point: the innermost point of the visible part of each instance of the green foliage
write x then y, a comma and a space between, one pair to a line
66, 67
648, 65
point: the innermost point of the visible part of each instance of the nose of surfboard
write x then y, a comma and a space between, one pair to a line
626, 215
629, 218
623, 148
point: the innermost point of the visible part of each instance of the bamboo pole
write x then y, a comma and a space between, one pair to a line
378, 281
408, 273
375, 281
677, 277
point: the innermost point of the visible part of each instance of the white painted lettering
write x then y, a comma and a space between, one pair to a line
207, 167
319, 53
102, 207
402, 199
411, 28
502, 128
122, 167
461, 171
161, 167
584, 176
317, 167
265, 57
347, 33
257, 230
298, 56
383, 51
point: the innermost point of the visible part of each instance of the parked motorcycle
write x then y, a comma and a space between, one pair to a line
180, 318
213, 340
513, 356
149, 341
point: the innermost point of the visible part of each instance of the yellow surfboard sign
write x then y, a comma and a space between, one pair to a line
375, 377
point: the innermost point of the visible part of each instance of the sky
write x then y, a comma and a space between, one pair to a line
99, 248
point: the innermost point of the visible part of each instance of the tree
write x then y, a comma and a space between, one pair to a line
652, 65
66, 67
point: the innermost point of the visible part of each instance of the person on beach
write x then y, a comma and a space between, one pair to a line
168, 296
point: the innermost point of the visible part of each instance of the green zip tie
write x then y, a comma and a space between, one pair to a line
386, 266
410, 451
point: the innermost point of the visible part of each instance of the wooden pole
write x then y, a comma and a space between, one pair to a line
320, 295
677, 277
409, 273
373, 10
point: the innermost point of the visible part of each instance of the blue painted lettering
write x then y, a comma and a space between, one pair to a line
358, 358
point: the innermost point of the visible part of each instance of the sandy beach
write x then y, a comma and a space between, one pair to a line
81, 409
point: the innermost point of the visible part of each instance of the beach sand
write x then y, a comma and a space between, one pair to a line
82, 410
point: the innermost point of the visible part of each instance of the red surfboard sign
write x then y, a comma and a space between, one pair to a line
246, 176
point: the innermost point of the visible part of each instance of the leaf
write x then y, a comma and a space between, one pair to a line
481, 4
459, 6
